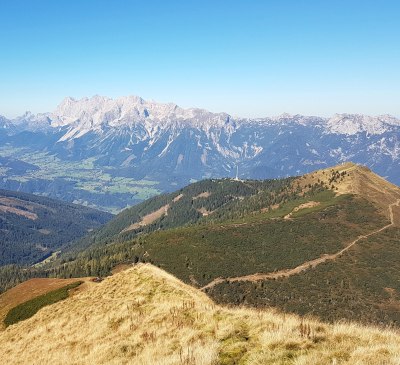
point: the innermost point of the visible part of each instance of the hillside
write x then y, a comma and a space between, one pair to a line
203, 201
323, 243
33, 227
219, 200
329, 245
26, 291
145, 316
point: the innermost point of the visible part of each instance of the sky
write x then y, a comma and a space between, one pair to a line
250, 58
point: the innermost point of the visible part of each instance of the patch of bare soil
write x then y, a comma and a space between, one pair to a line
204, 211
23, 213
148, 219
177, 198
309, 204
151, 217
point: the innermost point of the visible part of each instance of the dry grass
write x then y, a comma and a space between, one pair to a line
28, 290
145, 316
358, 180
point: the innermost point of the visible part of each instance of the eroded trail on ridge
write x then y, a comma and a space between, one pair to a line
306, 265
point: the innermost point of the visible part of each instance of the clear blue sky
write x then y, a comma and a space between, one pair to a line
246, 57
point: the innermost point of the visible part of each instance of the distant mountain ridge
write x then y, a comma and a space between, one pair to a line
138, 139
99, 111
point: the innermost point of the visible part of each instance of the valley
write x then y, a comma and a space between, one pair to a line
81, 182
32, 228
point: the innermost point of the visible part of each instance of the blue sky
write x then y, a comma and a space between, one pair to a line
246, 57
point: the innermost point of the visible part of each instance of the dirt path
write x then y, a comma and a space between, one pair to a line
306, 265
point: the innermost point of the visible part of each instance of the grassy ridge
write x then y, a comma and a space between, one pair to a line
145, 316
29, 308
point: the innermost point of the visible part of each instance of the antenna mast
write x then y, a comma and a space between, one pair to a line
237, 173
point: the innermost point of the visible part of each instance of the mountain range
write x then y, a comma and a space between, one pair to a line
135, 149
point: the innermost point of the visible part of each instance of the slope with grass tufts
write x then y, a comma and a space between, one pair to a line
145, 316
29, 290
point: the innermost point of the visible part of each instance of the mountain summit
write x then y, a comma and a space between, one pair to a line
91, 113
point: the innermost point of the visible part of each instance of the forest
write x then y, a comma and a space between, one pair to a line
33, 227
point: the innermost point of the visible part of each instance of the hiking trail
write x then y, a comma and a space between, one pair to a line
306, 265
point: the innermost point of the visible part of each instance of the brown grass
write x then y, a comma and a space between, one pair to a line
359, 180
28, 290
145, 316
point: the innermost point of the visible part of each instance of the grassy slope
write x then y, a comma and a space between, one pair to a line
145, 316
29, 308
28, 290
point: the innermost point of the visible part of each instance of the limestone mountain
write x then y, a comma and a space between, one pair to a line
135, 148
